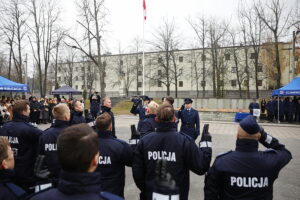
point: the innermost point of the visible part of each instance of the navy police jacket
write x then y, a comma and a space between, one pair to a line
180, 151
115, 154
253, 106
148, 125
190, 122
246, 173
23, 138
8, 190
108, 110
76, 118
48, 147
76, 186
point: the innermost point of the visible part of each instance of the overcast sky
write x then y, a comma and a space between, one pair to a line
126, 17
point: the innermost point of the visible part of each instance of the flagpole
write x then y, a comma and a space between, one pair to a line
143, 43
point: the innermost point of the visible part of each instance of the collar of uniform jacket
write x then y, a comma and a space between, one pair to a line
61, 123
166, 127
105, 134
6, 175
105, 109
20, 118
150, 116
246, 145
72, 183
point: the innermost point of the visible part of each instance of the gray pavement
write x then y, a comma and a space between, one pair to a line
286, 187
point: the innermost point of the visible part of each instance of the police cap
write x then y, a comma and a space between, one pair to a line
145, 98
249, 124
188, 100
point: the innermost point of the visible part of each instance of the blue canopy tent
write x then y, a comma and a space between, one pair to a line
66, 90
291, 89
7, 85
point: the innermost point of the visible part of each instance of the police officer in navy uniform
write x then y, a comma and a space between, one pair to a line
77, 113
106, 107
115, 154
47, 165
270, 109
247, 173
23, 138
253, 105
8, 190
95, 104
78, 154
149, 124
141, 109
190, 122
178, 149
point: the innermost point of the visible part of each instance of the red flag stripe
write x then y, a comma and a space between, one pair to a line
144, 7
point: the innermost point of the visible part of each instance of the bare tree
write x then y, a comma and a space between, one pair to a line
69, 70
216, 33
272, 14
176, 70
93, 20
55, 54
200, 28
166, 42
13, 19
138, 61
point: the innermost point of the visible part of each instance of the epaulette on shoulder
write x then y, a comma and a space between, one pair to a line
223, 154
39, 192
270, 151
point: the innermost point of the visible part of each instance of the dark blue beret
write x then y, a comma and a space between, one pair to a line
249, 124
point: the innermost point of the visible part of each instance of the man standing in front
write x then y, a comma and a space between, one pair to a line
190, 122
179, 150
106, 107
247, 173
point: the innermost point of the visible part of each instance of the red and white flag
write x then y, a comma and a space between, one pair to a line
144, 8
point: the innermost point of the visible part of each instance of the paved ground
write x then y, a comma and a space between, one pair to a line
287, 186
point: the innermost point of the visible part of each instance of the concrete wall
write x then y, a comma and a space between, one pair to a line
212, 103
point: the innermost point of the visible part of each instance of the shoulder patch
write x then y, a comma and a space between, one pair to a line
223, 154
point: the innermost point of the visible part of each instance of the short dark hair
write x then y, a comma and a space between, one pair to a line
76, 147
165, 113
103, 121
170, 100
20, 106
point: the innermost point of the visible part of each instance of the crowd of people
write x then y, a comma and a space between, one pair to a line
71, 160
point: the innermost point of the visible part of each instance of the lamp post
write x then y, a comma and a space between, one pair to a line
26, 75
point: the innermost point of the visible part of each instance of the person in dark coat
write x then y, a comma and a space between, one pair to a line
253, 105
95, 104
34, 110
178, 149
297, 114
106, 107
170, 100
270, 110
23, 138
141, 109
190, 121
247, 173
149, 124
115, 155
291, 110
78, 155
76, 113
8, 190
48, 167
263, 105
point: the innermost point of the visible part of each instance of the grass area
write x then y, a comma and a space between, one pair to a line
122, 108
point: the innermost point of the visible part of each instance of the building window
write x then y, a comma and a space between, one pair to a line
233, 69
140, 61
253, 55
82, 69
65, 70
76, 87
233, 83
59, 79
246, 82
59, 69
140, 73
203, 57
259, 68
203, 83
104, 64
159, 84
82, 78
221, 83
76, 69
227, 56
159, 72
180, 83
121, 62
139, 84
180, 58
159, 60
259, 82
65, 79
82, 87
